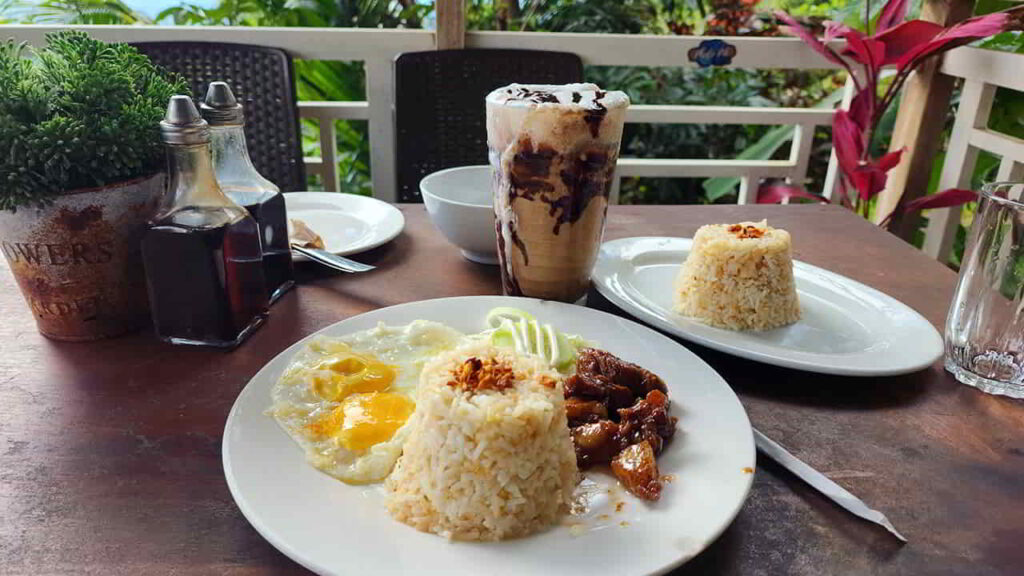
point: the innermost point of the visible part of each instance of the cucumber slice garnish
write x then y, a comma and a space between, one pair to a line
497, 315
518, 329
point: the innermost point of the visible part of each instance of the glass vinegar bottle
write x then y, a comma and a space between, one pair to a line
201, 251
240, 180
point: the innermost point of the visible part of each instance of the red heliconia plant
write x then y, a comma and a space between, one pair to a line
902, 46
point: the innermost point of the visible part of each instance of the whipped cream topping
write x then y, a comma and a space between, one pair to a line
585, 95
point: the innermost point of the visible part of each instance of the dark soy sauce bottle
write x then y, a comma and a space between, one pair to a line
204, 267
241, 182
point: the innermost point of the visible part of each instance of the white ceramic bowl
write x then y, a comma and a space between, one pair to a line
458, 201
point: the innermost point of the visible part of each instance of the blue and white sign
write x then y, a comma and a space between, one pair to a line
713, 52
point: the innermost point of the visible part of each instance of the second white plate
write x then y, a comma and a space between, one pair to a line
847, 328
348, 223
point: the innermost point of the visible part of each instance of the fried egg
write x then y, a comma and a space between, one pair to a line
346, 401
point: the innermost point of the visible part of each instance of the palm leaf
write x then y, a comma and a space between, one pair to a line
763, 149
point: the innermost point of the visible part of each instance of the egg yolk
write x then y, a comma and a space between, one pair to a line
371, 418
352, 374
367, 414
327, 424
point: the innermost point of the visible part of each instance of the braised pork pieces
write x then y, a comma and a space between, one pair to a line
619, 414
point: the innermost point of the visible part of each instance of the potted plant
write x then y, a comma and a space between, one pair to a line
81, 169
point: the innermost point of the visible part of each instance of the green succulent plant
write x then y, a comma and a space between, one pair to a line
78, 113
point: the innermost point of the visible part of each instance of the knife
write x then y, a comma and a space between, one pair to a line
821, 483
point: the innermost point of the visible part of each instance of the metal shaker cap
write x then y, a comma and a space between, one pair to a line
220, 107
182, 124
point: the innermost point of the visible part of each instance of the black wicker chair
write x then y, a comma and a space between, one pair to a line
263, 80
440, 119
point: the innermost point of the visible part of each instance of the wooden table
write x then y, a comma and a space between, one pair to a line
110, 451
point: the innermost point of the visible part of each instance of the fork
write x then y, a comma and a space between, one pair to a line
332, 260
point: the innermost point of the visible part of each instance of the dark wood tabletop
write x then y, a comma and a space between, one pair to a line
110, 451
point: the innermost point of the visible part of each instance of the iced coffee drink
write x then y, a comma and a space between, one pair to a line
553, 149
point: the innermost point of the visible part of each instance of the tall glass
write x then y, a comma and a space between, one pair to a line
553, 149
985, 327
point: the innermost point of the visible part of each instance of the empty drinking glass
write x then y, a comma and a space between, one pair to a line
985, 327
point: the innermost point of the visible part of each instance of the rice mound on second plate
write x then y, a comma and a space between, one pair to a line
739, 277
489, 455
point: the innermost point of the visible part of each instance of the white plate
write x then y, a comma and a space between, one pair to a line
333, 528
348, 223
847, 328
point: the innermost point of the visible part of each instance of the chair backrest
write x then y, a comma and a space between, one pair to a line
262, 78
440, 121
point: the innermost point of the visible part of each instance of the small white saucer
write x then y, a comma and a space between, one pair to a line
348, 223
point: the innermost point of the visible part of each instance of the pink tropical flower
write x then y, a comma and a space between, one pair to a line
793, 27
963, 33
899, 44
779, 193
892, 14
901, 39
944, 199
870, 175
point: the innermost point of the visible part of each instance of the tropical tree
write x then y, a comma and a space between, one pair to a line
75, 12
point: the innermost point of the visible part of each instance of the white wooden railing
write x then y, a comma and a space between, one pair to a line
378, 49
983, 71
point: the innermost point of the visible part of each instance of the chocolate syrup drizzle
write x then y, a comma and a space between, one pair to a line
595, 116
585, 174
589, 175
535, 96
508, 278
530, 170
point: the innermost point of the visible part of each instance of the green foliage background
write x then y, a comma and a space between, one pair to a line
346, 81
331, 80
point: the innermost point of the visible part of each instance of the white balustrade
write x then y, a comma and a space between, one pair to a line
377, 48
983, 71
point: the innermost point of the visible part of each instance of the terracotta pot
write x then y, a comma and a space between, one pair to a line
78, 262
